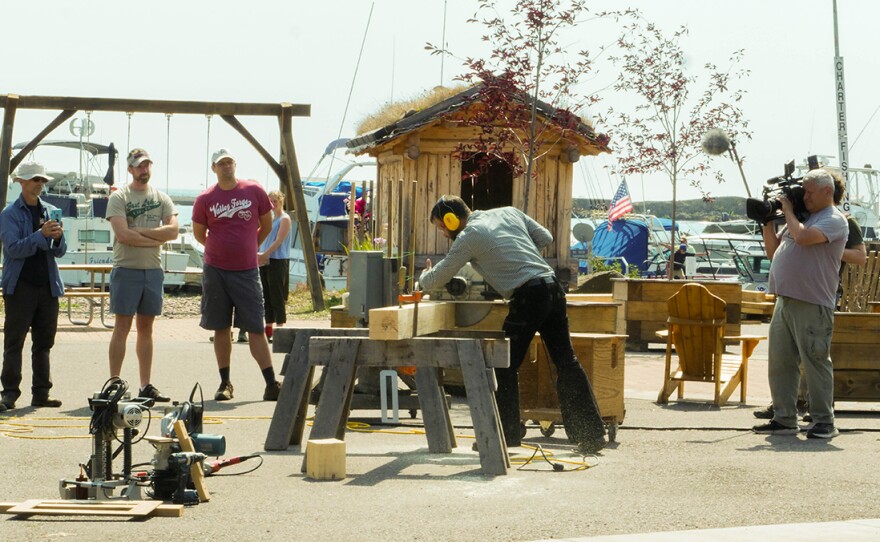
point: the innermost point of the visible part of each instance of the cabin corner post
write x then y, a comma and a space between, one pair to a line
293, 186
10, 106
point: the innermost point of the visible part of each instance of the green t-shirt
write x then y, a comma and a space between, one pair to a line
141, 209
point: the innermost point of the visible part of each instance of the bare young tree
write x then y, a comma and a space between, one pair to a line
526, 64
674, 107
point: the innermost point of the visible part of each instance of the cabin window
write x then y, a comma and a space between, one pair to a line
486, 184
94, 236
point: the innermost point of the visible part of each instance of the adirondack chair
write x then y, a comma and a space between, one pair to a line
695, 328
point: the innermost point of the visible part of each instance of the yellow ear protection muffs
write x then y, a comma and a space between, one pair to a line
450, 220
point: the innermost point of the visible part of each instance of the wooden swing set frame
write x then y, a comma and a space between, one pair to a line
285, 167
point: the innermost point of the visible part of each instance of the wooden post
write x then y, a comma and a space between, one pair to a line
400, 229
412, 237
6, 145
389, 198
352, 199
294, 186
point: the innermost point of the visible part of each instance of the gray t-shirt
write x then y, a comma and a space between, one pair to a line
503, 245
141, 209
810, 273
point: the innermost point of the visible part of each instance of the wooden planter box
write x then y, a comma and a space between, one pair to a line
602, 357
644, 311
854, 352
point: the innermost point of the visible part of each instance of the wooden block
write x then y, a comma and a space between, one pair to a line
396, 323
325, 459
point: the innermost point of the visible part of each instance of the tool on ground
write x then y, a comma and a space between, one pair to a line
214, 466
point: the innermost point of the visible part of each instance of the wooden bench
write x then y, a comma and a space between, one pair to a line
477, 354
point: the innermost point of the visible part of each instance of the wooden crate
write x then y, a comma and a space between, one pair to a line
854, 347
583, 317
644, 312
602, 357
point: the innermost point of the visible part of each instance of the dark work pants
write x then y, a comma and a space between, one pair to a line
541, 308
32, 309
275, 277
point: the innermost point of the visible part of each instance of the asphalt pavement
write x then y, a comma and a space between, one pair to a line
684, 471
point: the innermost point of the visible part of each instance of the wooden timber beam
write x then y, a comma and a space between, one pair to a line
239, 127
396, 323
157, 106
63, 116
294, 189
10, 104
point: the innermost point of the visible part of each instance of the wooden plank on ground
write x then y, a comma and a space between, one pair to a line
396, 323
38, 507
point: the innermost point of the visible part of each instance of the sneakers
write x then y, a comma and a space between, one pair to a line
823, 430
150, 392
224, 392
8, 404
775, 428
272, 392
808, 418
2, 407
45, 402
242, 336
764, 413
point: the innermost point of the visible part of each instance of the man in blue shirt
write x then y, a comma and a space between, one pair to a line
504, 245
31, 286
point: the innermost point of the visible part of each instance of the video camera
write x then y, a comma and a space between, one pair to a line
770, 208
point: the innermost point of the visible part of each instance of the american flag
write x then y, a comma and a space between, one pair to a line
620, 205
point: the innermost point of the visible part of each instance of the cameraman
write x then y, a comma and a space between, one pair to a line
854, 253
804, 276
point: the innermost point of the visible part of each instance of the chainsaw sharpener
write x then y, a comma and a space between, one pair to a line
112, 409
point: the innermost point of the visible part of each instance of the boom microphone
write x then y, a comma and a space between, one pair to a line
715, 142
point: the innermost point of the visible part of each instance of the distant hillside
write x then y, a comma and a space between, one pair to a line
694, 209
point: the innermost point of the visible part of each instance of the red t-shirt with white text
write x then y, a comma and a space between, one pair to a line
233, 221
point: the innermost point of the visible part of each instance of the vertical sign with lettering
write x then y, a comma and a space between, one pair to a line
842, 145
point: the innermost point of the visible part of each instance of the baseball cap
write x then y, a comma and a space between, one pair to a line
29, 170
220, 155
683, 246
137, 156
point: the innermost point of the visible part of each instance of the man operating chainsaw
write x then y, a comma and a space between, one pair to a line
504, 246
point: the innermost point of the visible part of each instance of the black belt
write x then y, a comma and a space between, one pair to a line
537, 281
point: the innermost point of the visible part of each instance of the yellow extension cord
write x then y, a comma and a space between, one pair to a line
11, 427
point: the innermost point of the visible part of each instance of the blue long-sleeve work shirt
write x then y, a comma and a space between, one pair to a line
20, 242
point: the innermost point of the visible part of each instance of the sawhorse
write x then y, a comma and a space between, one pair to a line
477, 354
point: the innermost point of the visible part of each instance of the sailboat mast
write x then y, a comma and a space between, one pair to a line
840, 93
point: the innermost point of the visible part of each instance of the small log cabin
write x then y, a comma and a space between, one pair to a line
425, 146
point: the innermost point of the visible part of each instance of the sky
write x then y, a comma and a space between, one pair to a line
307, 53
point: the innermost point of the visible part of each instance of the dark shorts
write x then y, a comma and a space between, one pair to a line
224, 291
136, 291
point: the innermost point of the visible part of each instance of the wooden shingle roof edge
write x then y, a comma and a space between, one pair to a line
421, 118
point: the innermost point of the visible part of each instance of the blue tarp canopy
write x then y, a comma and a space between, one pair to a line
627, 239
667, 224
333, 204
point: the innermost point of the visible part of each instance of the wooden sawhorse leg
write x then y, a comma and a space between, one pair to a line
435, 411
484, 410
335, 403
